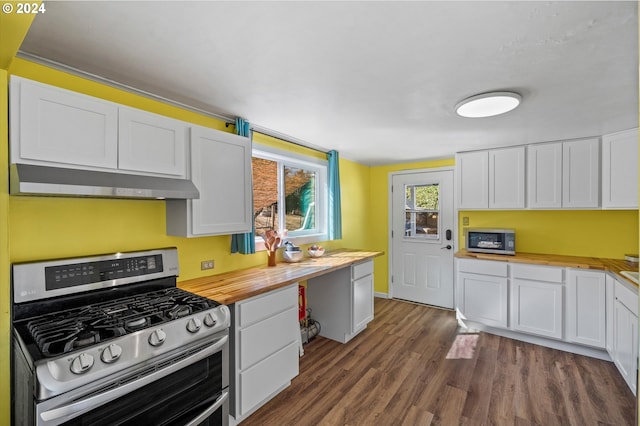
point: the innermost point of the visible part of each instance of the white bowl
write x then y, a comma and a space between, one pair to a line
315, 253
292, 256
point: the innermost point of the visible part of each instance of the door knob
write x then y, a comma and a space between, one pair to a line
448, 247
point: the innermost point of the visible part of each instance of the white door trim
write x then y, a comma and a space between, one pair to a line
454, 240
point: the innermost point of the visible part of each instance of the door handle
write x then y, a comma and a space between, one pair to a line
448, 247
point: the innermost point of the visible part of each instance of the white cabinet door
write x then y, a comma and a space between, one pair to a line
620, 170
536, 307
151, 143
506, 178
586, 307
362, 302
221, 170
581, 173
484, 298
544, 176
57, 126
265, 348
472, 181
609, 301
626, 344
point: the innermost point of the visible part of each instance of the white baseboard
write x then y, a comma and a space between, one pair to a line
381, 295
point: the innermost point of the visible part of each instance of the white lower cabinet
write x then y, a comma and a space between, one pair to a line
537, 300
483, 289
586, 307
624, 351
609, 301
342, 301
586, 311
265, 348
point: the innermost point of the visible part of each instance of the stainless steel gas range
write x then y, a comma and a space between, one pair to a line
111, 340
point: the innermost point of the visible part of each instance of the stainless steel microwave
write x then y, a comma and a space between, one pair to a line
483, 240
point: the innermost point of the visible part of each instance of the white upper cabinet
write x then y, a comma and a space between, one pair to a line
472, 169
491, 179
53, 125
151, 143
506, 178
57, 127
581, 173
620, 170
544, 176
564, 174
221, 170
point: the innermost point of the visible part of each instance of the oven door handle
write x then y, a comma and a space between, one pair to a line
209, 411
62, 414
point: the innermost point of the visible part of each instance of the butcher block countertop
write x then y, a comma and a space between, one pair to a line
595, 263
238, 285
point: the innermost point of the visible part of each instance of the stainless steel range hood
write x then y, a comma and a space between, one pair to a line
27, 179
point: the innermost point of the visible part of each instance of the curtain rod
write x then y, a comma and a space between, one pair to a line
282, 137
108, 82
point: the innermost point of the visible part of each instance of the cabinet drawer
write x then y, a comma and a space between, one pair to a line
484, 267
266, 377
627, 296
262, 339
537, 273
362, 269
267, 305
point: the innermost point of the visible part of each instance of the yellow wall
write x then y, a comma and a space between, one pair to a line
5, 292
593, 233
13, 28
46, 227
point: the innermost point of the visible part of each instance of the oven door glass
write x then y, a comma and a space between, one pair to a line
177, 399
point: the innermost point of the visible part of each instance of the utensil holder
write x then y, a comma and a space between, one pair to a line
271, 258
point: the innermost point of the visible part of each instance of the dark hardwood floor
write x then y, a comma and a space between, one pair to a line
414, 366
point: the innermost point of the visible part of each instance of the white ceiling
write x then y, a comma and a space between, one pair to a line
377, 81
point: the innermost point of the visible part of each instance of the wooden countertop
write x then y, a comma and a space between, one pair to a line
595, 263
237, 285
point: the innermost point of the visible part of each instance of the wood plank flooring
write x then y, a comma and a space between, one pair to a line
414, 366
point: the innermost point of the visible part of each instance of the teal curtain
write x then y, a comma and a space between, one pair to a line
244, 243
335, 214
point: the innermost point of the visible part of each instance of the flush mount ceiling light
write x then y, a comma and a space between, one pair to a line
488, 104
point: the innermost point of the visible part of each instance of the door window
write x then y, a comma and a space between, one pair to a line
422, 211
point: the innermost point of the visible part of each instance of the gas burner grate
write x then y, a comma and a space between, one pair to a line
69, 330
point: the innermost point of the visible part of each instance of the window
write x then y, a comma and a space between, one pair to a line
289, 193
422, 211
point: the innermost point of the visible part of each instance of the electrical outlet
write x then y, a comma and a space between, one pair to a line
465, 220
206, 264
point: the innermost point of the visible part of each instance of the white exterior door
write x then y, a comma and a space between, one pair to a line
422, 225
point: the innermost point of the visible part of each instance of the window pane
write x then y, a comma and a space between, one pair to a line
265, 195
300, 197
422, 211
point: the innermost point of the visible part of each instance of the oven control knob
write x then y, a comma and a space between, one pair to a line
157, 337
194, 325
209, 320
82, 363
111, 353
